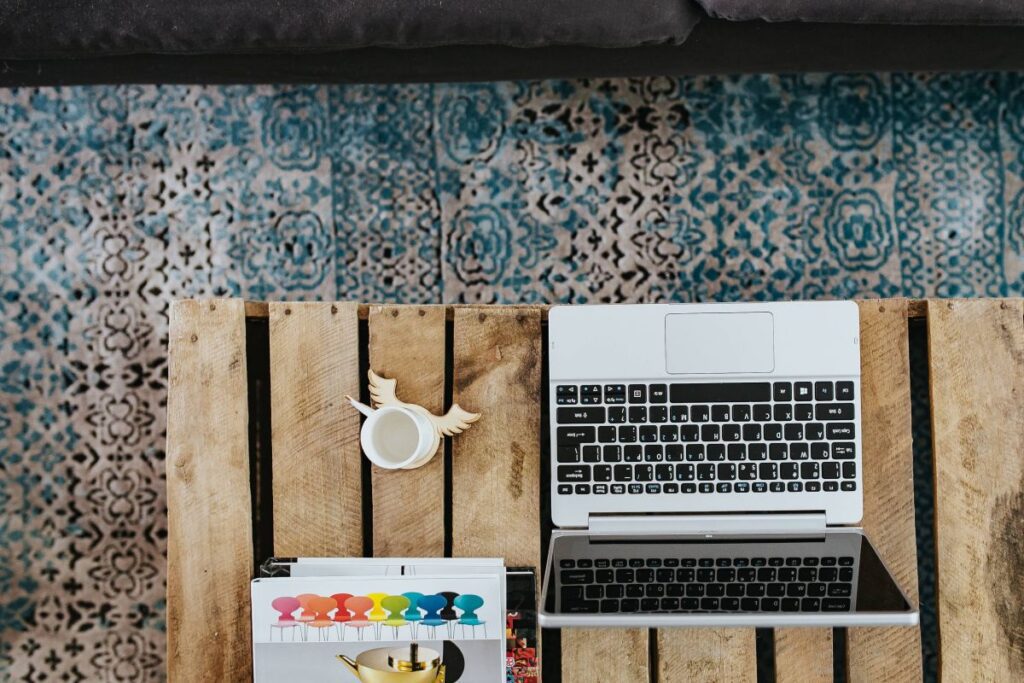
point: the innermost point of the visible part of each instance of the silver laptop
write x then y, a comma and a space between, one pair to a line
704, 459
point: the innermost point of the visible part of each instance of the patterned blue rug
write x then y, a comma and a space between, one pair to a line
113, 201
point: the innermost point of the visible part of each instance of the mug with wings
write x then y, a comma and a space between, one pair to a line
382, 394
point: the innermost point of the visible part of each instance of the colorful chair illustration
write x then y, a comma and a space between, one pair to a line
469, 604
358, 605
377, 614
285, 606
412, 613
394, 604
341, 615
448, 613
322, 608
432, 605
307, 614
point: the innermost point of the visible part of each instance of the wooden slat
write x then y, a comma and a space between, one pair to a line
696, 655
209, 526
604, 654
314, 362
875, 654
496, 462
976, 365
407, 344
803, 655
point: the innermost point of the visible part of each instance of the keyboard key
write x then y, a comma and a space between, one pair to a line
591, 454
705, 472
752, 432
726, 471
829, 470
606, 434
568, 454
730, 432
835, 605
627, 434
726, 392
643, 472
772, 432
614, 393
762, 412
674, 452
844, 391
842, 450
700, 413
795, 486
809, 470
736, 451
789, 470
637, 393
777, 486
623, 473
659, 393
612, 453
573, 473
709, 432
741, 487
658, 414
684, 472
564, 489
715, 452
839, 430
848, 485
849, 470
679, 414
782, 412
577, 576
814, 431
830, 486
695, 452
648, 434
768, 471
798, 451
757, 451
741, 413
778, 451
664, 472
748, 471
581, 415
581, 489
668, 433
804, 412
632, 454
823, 391
689, 433
802, 391
602, 473
819, 451
782, 391
600, 489
720, 413
833, 411
652, 488
637, 414
616, 415
573, 436
793, 431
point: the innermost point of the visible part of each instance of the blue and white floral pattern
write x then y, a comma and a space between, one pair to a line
115, 200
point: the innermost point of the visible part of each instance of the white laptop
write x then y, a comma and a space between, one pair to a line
703, 460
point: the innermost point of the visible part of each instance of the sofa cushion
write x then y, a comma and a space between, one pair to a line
1006, 12
63, 28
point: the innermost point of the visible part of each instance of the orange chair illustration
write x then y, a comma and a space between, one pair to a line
358, 605
307, 615
322, 608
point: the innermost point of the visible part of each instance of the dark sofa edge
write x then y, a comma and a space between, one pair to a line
714, 47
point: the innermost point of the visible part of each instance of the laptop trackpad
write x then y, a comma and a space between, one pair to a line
719, 343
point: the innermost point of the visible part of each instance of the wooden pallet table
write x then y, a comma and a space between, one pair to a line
263, 458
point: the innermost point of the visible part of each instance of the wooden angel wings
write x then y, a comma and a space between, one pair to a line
455, 421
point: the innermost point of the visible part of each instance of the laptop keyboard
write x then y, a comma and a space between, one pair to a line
739, 437
738, 584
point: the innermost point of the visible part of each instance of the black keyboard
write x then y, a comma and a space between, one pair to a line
739, 437
729, 584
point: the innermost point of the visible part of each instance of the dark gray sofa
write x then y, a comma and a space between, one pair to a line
221, 41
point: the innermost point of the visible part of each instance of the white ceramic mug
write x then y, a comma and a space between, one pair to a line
397, 438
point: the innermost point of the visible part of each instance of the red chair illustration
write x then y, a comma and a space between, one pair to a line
341, 615
359, 605
285, 607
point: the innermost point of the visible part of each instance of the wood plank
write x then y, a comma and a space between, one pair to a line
314, 362
407, 344
696, 655
803, 655
976, 365
591, 654
209, 525
875, 654
496, 462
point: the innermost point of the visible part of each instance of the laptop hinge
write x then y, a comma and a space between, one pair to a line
707, 524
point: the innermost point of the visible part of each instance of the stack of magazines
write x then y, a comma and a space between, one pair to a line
437, 620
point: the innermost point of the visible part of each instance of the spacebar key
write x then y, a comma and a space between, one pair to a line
720, 392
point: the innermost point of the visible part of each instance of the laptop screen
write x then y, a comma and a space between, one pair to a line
828, 573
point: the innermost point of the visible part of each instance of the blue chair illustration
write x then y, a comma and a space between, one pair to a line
412, 612
469, 604
432, 605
